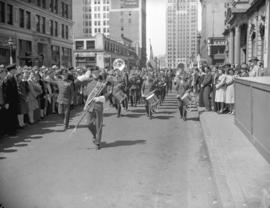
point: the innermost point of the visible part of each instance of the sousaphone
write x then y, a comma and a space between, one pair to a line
119, 64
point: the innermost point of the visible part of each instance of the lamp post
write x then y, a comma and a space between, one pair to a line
10, 44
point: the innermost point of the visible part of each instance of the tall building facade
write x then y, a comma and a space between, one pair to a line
212, 47
182, 31
91, 17
113, 18
128, 19
36, 32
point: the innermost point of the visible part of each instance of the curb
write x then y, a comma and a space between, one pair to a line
224, 194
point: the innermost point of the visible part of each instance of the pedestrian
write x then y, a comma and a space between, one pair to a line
64, 99
230, 90
23, 91
200, 81
34, 91
254, 67
11, 97
221, 90
206, 87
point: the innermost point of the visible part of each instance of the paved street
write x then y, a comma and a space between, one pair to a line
143, 163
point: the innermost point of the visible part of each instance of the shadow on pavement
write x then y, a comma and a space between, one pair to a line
129, 115
119, 143
33, 132
162, 117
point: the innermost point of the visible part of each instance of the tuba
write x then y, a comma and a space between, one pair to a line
119, 64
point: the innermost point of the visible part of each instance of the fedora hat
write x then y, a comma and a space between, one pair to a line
254, 58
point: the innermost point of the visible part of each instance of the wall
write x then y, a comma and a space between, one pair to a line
253, 111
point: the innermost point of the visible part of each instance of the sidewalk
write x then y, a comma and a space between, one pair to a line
241, 174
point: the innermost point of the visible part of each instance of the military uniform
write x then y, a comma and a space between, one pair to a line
182, 85
11, 98
94, 114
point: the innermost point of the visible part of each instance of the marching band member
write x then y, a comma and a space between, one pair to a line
95, 115
147, 88
182, 86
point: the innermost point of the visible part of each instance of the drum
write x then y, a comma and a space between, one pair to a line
152, 100
120, 96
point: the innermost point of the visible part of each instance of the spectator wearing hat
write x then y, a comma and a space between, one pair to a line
206, 86
23, 90
244, 70
65, 97
254, 67
221, 90
11, 98
34, 91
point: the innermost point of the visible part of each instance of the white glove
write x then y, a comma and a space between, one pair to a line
100, 99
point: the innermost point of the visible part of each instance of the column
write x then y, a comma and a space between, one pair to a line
237, 45
231, 48
267, 41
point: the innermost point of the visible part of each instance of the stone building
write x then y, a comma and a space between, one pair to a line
40, 32
101, 51
247, 31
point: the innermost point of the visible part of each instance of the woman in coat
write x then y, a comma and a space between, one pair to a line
23, 91
206, 86
220, 97
201, 78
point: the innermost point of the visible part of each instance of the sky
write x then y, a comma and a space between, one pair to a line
156, 26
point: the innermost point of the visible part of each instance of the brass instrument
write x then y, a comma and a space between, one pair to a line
119, 64
89, 104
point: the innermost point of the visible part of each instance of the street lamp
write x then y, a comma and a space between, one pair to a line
10, 44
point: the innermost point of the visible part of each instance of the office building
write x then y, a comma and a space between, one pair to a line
128, 19
101, 51
91, 17
212, 43
182, 31
36, 32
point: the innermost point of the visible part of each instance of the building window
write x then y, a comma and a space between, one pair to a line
21, 17
43, 4
51, 5
38, 23
39, 3
28, 20
43, 25
10, 14
63, 31
79, 45
56, 29
64, 10
55, 52
90, 44
56, 6
67, 32
51, 27
2, 12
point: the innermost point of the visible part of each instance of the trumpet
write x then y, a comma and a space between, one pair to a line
119, 64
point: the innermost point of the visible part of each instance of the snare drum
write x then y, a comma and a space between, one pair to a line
120, 96
152, 100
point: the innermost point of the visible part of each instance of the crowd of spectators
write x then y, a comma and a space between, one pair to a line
215, 85
29, 94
